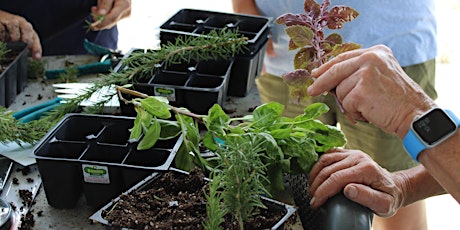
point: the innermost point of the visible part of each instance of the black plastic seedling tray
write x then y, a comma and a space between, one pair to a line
13, 78
191, 22
92, 155
196, 85
152, 181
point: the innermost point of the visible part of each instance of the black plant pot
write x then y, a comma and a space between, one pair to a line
336, 214
196, 23
13, 77
196, 85
92, 155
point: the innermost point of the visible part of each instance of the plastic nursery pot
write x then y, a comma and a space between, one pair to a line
191, 22
172, 200
13, 72
92, 155
196, 85
336, 214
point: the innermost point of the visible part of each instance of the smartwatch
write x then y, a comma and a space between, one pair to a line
430, 129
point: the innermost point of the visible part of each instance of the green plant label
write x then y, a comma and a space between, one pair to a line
169, 93
96, 174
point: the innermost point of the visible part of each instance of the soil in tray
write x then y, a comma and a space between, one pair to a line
7, 59
175, 201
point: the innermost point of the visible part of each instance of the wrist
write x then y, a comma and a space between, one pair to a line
407, 119
429, 130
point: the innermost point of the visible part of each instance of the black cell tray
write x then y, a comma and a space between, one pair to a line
197, 85
13, 79
92, 154
150, 182
191, 22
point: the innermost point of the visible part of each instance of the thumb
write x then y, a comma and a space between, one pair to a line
379, 202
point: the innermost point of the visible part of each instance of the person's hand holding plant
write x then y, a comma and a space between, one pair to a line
107, 13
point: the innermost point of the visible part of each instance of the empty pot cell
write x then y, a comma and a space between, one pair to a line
153, 157
77, 128
254, 25
116, 133
166, 144
105, 153
208, 82
182, 67
166, 78
61, 149
192, 17
201, 101
184, 27
213, 67
206, 30
222, 21
62, 182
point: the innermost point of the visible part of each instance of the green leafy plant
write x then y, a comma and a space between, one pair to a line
251, 152
96, 19
3, 50
314, 49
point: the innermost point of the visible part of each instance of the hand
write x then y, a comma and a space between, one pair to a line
112, 10
372, 87
361, 179
14, 28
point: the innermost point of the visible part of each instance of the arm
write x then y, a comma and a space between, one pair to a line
14, 28
372, 87
245, 7
113, 10
365, 182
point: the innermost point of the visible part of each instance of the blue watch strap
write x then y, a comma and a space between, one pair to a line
414, 145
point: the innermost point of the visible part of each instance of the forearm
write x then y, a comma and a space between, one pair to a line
442, 163
245, 7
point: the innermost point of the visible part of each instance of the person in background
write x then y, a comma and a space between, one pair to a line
372, 87
407, 27
59, 27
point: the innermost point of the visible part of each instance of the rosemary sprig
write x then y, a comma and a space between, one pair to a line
217, 44
3, 50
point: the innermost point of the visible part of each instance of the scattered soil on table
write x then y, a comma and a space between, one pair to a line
176, 201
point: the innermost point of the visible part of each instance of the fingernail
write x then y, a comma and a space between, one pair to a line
37, 55
309, 89
312, 201
351, 192
102, 11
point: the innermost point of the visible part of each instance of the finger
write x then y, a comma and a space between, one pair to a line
27, 32
104, 7
120, 9
333, 178
380, 203
324, 161
4, 36
14, 30
342, 57
35, 47
333, 75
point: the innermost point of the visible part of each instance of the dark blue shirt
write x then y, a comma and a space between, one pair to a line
61, 24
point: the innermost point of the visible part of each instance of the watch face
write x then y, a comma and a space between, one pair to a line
434, 126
